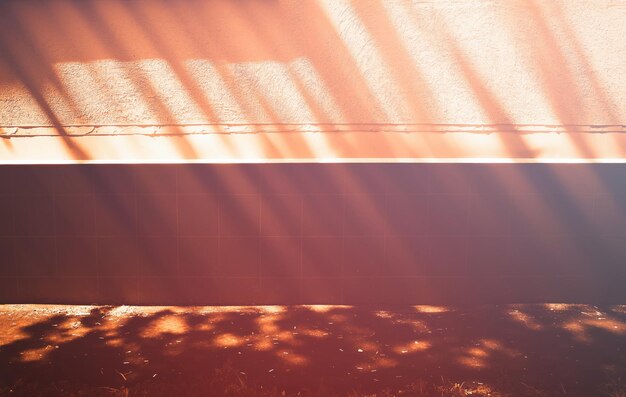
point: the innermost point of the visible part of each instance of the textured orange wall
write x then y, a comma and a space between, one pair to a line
528, 79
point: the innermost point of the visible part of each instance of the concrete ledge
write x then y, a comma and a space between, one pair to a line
152, 144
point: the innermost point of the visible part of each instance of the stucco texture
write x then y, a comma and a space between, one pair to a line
73, 68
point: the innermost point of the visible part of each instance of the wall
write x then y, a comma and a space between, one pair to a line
153, 80
475, 151
313, 233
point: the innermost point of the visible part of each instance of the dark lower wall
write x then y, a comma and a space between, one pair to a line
313, 233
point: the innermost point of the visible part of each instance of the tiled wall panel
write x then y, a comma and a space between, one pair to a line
313, 233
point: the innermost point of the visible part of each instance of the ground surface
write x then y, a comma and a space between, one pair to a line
517, 350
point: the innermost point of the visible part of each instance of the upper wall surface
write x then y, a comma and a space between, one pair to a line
408, 69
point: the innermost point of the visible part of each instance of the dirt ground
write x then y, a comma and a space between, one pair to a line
511, 350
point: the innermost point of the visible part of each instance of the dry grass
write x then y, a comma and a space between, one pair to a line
506, 351
228, 382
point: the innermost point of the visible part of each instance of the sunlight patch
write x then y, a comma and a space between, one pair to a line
227, 340
431, 309
412, 347
166, 325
